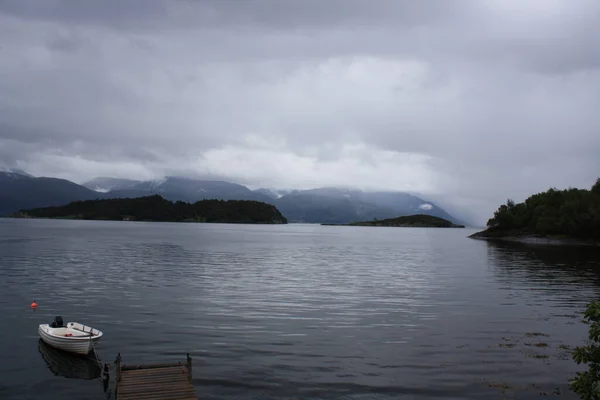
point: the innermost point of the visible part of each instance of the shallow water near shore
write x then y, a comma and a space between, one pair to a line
295, 311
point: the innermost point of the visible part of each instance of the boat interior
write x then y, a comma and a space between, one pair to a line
71, 329
66, 331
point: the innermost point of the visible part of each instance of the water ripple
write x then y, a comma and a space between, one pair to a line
298, 311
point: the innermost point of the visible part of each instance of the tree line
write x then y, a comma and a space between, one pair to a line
571, 212
156, 208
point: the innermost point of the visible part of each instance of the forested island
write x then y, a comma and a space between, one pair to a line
156, 208
570, 216
409, 221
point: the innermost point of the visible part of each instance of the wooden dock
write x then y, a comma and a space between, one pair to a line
167, 381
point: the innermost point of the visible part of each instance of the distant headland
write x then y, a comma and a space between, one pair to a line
562, 217
155, 208
409, 221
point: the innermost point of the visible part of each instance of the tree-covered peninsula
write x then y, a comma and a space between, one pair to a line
409, 221
560, 216
156, 208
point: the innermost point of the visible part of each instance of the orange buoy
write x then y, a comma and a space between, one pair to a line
34, 304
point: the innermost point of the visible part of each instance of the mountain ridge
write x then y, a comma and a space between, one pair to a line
317, 205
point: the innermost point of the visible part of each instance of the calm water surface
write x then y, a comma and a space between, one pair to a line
296, 311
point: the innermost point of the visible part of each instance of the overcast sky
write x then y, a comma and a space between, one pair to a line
471, 102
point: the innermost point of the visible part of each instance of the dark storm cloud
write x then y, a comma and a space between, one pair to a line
547, 36
257, 13
469, 101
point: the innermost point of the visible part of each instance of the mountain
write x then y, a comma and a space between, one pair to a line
343, 206
20, 190
14, 173
305, 206
104, 185
460, 212
408, 204
273, 194
177, 188
321, 205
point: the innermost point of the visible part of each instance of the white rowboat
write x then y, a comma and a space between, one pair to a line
72, 337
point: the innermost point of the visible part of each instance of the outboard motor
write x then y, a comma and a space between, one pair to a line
58, 322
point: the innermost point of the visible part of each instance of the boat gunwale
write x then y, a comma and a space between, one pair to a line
69, 338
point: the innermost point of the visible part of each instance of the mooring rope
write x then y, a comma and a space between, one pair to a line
105, 370
96, 358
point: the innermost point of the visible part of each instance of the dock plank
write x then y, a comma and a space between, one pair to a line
168, 381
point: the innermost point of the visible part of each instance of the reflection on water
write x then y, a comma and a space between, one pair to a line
560, 267
545, 288
296, 311
69, 365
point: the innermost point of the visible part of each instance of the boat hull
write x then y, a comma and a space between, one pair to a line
73, 344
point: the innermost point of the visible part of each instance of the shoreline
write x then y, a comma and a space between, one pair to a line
156, 208
533, 239
405, 221
391, 226
145, 220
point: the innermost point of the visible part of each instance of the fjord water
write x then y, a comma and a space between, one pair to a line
296, 311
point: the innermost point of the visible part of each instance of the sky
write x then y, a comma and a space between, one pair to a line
464, 102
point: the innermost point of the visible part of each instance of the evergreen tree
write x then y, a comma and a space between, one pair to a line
571, 212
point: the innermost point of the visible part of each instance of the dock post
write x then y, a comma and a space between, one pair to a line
106, 377
189, 366
118, 367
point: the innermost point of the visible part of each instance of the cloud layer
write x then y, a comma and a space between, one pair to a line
468, 102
